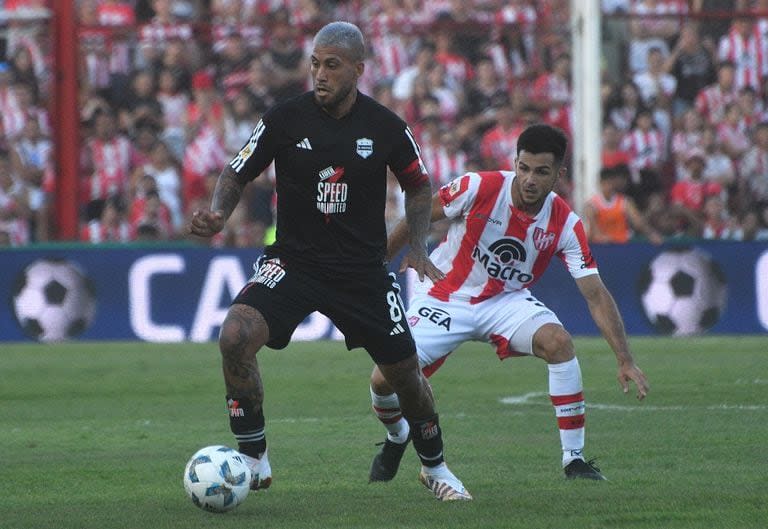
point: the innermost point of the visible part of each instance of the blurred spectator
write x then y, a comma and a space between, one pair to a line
751, 107
691, 193
687, 137
744, 47
692, 65
443, 156
235, 16
717, 224
612, 152
671, 221
120, 17
111, 224
23, 71
484, 94
754, 168
205, 151
499, 144
11, 117
176, 57
173, 102
106, 159
624, 106
32, 161
148, 210
285, 58
710, 101
404, 81
164, 27
239, 121
165, 173
448, 96
655, 85
140, 103
732, 132
645, 145
720, 167
611, 216
94, 46
14, 206
388, 43
458, 69
258, 87
232, 64
652, 27
551, 93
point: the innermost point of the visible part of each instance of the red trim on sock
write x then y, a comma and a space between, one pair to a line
559, 400
570, 423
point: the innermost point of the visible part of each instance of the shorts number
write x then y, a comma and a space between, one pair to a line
395, 312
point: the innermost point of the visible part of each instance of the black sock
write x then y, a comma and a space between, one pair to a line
428, 441
248, 426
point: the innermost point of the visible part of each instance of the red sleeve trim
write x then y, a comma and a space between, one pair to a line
412, 176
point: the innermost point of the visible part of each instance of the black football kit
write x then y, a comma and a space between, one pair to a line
331, 183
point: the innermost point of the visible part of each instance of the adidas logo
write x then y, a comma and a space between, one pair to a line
304, 144
397, 330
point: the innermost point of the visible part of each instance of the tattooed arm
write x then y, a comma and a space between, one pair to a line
229, 188
418, 213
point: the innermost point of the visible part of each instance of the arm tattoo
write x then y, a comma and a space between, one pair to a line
228, 190
418, 208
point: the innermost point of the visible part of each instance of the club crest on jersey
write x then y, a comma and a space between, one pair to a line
542, 239
364, 147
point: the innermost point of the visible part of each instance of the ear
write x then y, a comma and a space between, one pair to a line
561, 172
360, 68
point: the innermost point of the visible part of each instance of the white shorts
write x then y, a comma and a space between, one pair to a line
507, 321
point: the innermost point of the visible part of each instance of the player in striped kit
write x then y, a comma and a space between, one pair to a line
505, 228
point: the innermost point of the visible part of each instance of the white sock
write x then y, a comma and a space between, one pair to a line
387, 410
566, 394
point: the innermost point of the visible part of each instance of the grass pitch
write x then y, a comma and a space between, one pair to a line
96, 435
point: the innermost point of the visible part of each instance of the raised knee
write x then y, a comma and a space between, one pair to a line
554, 344
243, 330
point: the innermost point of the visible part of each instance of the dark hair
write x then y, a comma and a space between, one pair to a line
542, 138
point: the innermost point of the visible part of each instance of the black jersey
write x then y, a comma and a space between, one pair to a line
331, 177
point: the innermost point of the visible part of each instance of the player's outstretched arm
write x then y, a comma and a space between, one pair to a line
208, 222
606, 315
402, 235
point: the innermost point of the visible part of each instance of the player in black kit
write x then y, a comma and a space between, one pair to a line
331, 149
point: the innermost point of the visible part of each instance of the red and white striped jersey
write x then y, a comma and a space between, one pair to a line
746, 55
711, 102
96, 232
443, 165
647, 149
493, 247
111, 164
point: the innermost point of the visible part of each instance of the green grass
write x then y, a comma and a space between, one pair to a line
97, 435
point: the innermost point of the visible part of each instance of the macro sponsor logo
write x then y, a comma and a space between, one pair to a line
499, 263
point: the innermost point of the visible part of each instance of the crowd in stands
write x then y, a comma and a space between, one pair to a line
170, 90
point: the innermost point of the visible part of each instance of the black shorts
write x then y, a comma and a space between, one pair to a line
364, 304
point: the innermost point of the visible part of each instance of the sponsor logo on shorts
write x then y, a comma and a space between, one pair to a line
269, 273
437, 316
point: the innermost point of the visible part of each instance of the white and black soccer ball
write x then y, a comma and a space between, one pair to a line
53, 300
217, 478
683, 292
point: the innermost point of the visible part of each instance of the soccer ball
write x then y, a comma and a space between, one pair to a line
53, 300
683, 292
217, 479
